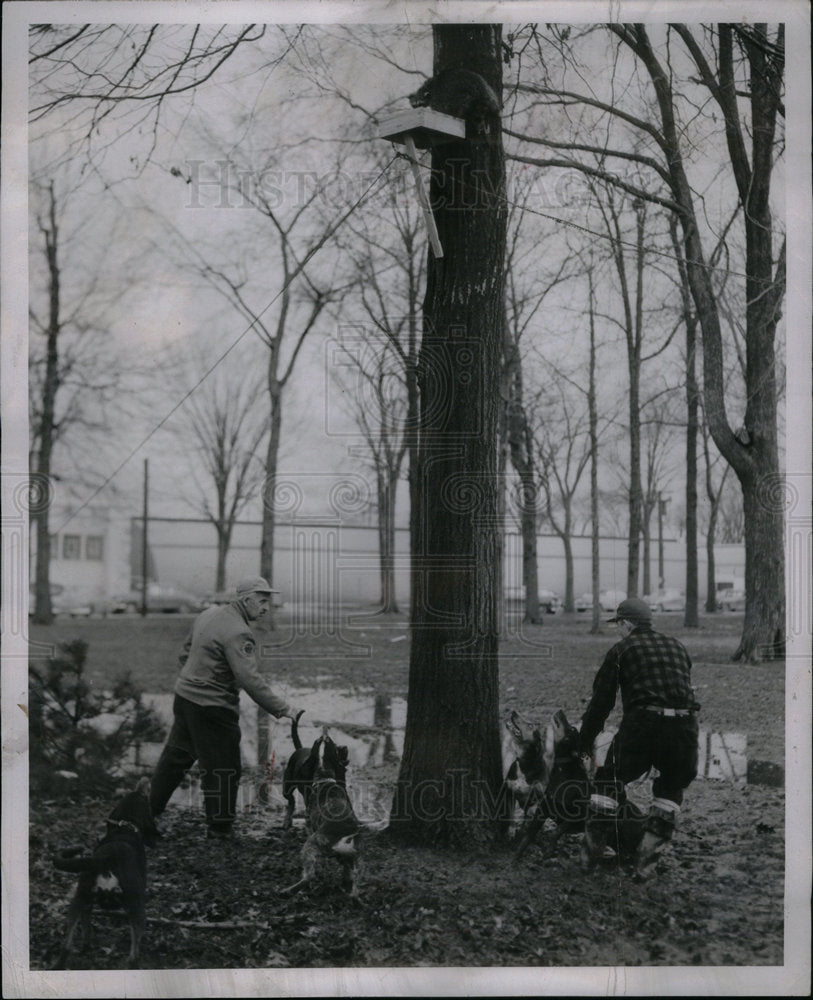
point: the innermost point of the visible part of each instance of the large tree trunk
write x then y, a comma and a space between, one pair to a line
711, 535
753, 451
634, 340
386, 539
570, 597
521, 446
595, 527
269, 491
223, 545
646, 533
450, 775
43, 613
690, 615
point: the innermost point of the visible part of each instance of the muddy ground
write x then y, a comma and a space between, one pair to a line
717, 899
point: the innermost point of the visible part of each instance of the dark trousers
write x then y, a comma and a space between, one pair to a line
644, 740
209, 735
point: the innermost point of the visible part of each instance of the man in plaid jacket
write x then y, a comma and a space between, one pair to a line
658, 729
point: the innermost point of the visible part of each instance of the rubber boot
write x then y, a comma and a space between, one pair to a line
660, 826
599, 827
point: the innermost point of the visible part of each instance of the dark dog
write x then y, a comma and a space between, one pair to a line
527, 776
300, 769
566, 798
115, 875
333, 829
567, 794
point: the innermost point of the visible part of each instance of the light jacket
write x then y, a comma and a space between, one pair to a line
219, 658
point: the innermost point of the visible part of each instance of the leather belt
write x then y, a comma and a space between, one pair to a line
668, 711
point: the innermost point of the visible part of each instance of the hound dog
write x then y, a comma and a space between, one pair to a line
566, 798
115, 874
528, 774
299, 771
332, 826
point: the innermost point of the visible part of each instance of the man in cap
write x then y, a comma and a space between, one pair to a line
658, 729
218, 658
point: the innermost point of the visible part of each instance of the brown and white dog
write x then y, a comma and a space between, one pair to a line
300, 769
332, 827
527, 776
115, 874
566, 797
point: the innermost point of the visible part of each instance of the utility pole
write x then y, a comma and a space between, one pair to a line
144, 546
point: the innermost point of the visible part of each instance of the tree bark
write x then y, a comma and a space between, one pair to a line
386, 538
752, 452
521, 448
690, 614
448, 786
43, 613
595, 526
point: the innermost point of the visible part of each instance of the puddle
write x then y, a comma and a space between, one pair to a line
371, 725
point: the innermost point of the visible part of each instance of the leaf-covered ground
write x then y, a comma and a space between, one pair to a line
717, 899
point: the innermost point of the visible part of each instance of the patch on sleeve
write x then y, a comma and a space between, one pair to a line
247, 647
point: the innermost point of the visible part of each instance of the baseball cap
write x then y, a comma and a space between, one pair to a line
633, 609
253, 585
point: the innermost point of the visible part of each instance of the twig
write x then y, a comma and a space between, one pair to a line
226, 925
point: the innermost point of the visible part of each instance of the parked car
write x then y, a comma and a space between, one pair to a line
62, 602
227, 596
666, 600
608, 600
550, 602
731, 600
160, 598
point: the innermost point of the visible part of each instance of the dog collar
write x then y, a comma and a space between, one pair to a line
124, 823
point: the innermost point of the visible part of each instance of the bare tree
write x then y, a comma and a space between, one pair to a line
527, 286
714, 493
281, 314
658, 432
740, 69
375, 395
451, 769
386, 245
225, 418
75, 372
563, 448
99, 82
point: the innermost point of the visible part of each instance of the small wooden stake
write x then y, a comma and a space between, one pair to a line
434, 239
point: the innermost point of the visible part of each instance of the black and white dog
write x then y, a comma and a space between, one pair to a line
300, 769
527, 776
115, 874
332, 827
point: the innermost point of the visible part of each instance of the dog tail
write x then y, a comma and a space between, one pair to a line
295, 730
67, 861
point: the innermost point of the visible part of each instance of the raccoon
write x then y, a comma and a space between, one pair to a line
461, 93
